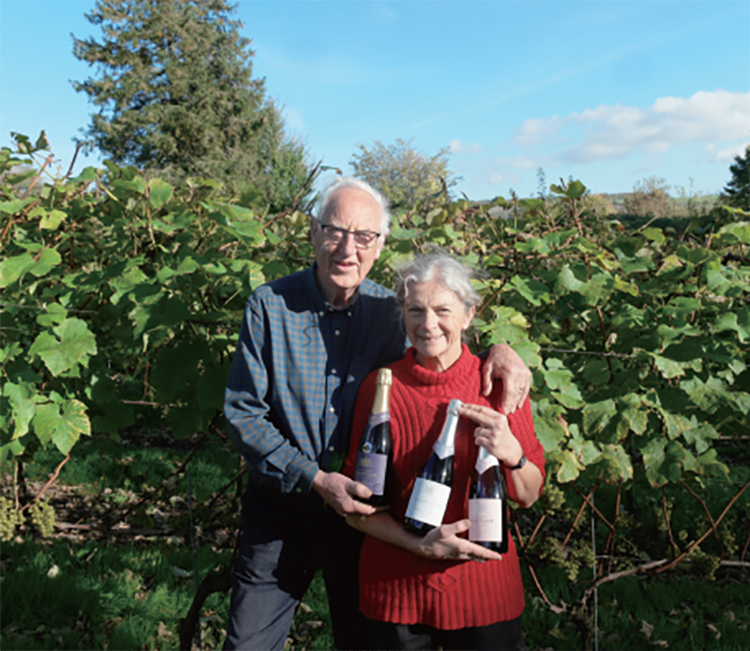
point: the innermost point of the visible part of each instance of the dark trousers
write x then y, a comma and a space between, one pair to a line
285, 540
502, 636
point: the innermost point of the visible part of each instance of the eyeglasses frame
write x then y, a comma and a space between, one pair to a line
341, 232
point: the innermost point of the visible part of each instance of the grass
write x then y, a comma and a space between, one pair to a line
128, 588
94, 596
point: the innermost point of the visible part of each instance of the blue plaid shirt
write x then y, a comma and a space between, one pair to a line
296, 373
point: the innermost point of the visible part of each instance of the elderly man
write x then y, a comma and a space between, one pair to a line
307, 342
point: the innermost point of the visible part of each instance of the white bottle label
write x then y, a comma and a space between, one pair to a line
486, 517
428, 501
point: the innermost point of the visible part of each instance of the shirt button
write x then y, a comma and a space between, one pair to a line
337, 333
331, 409
331, 448
321, 313
297, 490
333, 371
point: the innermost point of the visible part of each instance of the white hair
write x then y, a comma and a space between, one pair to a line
448, 270
343, 182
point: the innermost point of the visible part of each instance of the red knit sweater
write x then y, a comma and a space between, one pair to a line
397, 585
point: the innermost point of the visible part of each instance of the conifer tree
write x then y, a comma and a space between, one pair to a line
175, 93
737, 191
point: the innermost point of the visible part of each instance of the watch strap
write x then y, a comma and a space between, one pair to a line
521, 463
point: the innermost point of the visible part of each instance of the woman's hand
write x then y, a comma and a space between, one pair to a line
493, 433
443, 542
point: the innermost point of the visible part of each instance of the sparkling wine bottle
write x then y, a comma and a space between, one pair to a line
431, 491
374, 455
487, 504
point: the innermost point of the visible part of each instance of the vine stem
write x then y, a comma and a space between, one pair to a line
73, 162
609, 546
667, 521
522, 548
47, 161
49, 483
590, 502
574, 525
708, 513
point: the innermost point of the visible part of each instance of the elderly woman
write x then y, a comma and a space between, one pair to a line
442, 589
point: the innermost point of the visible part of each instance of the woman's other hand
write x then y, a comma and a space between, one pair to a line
493, 433
443, 542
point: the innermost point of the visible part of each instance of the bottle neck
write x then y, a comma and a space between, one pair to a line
445, 445
381, 402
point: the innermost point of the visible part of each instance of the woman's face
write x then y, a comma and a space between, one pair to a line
435, 318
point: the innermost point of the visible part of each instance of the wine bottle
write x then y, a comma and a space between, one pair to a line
429, 497
374, 454
487, 504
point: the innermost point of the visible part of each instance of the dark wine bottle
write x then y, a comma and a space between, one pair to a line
429, 497
487, 505
374, 455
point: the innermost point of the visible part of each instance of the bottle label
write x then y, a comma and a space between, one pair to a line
370, 471
428, 502
485, 461
376, 419
486, 517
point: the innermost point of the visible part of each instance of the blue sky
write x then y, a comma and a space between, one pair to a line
604, 91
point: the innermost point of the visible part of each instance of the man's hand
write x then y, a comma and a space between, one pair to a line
444, 543
504, 363
338, 492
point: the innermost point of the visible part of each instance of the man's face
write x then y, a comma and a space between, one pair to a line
342, 266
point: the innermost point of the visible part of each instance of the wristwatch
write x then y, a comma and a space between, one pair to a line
520, 465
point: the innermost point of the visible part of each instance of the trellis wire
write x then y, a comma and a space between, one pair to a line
192, 545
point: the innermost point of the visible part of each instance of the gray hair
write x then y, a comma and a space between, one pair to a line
343, 182
446, 269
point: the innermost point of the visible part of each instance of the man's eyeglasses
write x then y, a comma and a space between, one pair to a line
362, 239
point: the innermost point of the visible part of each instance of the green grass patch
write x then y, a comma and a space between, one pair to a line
100, 596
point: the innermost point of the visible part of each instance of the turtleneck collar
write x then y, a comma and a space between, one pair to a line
462, 367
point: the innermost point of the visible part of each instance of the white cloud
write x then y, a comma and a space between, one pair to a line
518, 162
457, 147
536, 130
728, 153
612, 132
498, 178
